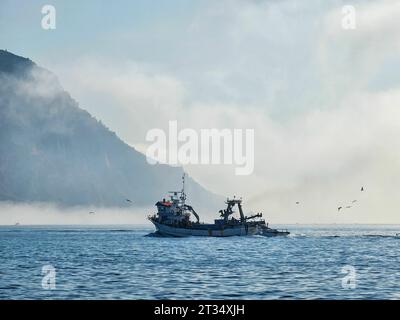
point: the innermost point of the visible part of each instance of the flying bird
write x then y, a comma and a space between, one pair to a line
297, 202
338, 209
354, 201
362, 188
127, 200
348, 207
91, 212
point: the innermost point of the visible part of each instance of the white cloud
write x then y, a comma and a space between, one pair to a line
133, 97
311, 90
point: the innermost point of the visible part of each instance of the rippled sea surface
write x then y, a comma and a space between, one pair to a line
120, 262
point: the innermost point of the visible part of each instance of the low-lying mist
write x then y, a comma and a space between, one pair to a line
46, 214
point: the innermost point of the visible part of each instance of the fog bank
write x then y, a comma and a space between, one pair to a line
45, 214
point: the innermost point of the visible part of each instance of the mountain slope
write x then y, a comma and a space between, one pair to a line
51, 150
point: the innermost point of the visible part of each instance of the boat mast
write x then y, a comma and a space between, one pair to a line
239, 204
183, 194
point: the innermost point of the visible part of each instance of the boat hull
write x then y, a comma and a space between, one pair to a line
203, 230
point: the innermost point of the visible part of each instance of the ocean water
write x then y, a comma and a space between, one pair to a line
121, 262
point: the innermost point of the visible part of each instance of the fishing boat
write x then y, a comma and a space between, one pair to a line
173, 218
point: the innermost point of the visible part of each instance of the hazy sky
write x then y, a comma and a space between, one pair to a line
323, 100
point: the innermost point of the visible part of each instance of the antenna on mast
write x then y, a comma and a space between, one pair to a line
183, 195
